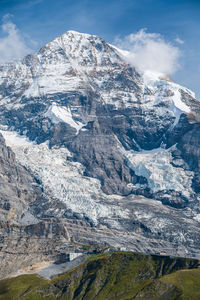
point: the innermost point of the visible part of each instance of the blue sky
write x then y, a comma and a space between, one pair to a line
39, 21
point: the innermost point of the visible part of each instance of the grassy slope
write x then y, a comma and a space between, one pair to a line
187, 281
121, 276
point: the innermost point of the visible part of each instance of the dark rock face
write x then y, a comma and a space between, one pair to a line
189, 145
17, 185
97, 152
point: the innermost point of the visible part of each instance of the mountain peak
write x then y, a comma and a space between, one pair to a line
72, 37
77, 33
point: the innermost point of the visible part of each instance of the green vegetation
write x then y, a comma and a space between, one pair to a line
113, 276
187, 281
23, 287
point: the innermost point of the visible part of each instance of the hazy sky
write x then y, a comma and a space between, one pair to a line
173, 24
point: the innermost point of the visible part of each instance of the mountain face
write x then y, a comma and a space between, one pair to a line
113, 153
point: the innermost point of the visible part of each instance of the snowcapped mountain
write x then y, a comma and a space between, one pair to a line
111, 148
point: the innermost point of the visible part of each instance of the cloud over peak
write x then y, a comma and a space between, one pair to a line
12, 45
150, 52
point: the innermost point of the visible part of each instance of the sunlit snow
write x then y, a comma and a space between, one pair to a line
62, 114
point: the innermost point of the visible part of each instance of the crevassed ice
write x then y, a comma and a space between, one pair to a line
62, 179
156, 167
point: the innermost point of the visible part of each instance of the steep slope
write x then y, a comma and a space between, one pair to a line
117, 276
115, 151
24, 238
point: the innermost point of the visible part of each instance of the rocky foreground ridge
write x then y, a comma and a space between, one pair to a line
98, 154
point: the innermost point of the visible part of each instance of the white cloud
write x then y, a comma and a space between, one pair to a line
179, 41
150, 52
13, 45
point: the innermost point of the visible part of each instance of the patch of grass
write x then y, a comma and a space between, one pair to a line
25, 287
187, 281
98, 255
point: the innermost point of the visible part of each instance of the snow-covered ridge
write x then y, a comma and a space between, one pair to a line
77, 61
69, 62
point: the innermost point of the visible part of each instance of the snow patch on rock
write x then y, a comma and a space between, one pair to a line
62, 114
